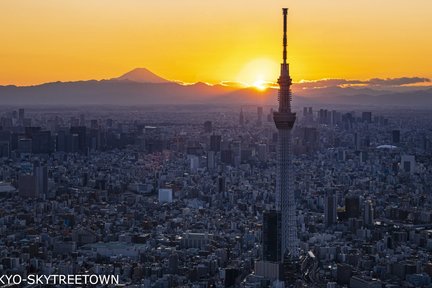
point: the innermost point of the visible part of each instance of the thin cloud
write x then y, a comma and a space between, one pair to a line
398, 81
233, 84
330, 82
324, 83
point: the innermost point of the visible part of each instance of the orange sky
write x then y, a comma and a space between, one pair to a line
213, 41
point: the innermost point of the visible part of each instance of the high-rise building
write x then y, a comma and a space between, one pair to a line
259, 114
241, 118
408, 164
165, 195
352, 206
81, 133
284, 119
61, 141
41, 179
270, 116
330, 205
227, 157
173, 262
271, 243
368, 213
231, 275
367, 117
236, 149
25, 146
5, 143
215, 143
221, 184
153, 140
94, 124
21, 115
261, 151
364, 156
194, 163
335, 117
396, 136
309, 138
307, 115
42, 142
208, 127
357, 141
27, 186
324, 116
211, 161
4, 149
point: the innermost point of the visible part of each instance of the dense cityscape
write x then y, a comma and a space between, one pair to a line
178, 196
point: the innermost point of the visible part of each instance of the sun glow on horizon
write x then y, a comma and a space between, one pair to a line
258, 73
260, 85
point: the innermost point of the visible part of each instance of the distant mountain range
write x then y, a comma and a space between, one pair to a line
142, 87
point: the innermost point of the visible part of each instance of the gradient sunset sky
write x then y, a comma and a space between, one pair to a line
213, 41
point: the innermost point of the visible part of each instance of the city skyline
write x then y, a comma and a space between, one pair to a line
47, 41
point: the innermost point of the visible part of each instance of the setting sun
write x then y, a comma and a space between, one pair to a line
260, 85
258, 72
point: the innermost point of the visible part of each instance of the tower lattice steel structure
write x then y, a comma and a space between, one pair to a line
284, 120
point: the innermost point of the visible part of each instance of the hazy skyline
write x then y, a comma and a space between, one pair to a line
212, 41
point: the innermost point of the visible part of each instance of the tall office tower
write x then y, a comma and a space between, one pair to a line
241, 117
323, 116
40, 174
221, 184
27, 186
352, 206
4, 149
307, 115
215, 143
284, 120
211, 162
367, 117
330, 206
271, 236
208, 127
396, 136
81, 132
21, 115
270, 115
368, 213
408, 163
94, 124
357, 141
335, 118
260, 114
42, 142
